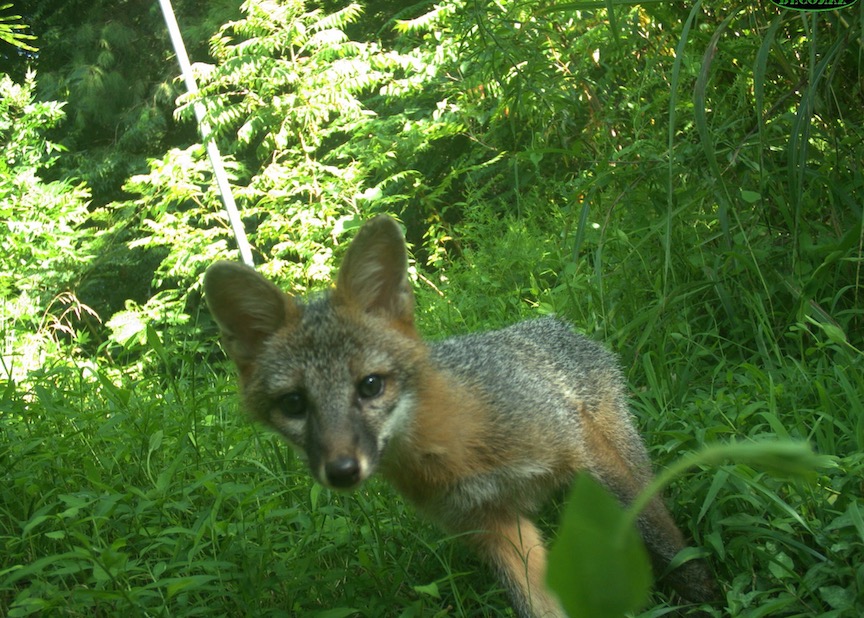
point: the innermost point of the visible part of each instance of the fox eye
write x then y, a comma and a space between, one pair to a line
370, 386
292, 405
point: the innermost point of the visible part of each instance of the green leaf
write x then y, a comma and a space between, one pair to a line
156, 440
838, 597
127, 327
338, 612
179, 584
781, 566
429, 590
854, 512
751, 197
155, 342
780, 457
598, 566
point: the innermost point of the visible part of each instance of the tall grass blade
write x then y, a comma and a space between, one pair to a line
673, 107
701, 120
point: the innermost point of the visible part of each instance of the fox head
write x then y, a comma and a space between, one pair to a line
334, 376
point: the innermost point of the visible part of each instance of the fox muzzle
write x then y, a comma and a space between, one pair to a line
343, 472
341, 450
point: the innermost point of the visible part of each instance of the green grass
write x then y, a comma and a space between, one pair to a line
140, 489
148, 494
140, 497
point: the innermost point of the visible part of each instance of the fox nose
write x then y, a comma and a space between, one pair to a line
343, 472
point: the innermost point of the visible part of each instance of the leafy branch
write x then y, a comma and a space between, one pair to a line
9, 30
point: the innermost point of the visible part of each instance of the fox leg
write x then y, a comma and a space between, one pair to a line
514, 546
626, 472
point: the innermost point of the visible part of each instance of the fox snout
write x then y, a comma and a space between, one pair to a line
345, 472
341, 450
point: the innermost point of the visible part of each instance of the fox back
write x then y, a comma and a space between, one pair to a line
476, 431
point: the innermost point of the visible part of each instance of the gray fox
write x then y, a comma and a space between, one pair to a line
476, 431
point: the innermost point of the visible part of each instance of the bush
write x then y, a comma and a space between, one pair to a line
46, 241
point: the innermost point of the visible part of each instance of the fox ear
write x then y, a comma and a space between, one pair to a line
374, 274
247, 308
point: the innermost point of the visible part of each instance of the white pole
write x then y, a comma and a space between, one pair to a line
212, 148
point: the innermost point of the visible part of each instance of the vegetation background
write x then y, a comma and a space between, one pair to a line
682, 181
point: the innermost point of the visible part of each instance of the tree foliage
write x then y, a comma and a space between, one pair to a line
42, 223
112, 63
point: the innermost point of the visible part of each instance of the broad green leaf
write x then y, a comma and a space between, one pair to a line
598, 566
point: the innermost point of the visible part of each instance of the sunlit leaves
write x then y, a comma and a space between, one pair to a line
283, 73
10, 30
